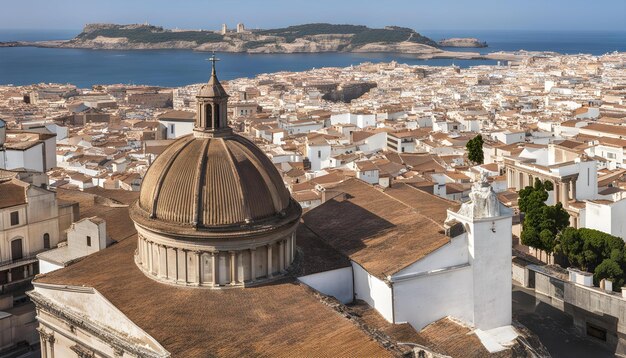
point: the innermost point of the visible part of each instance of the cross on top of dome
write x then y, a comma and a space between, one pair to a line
213, 60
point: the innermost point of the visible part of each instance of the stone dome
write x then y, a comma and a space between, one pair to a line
213, 211
216, 184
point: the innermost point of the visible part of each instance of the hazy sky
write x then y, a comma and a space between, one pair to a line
417, 14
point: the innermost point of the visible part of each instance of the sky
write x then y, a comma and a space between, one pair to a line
566, 15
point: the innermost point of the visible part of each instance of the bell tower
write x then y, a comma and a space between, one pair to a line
212, 106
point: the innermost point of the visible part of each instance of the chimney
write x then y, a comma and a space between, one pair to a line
606, 285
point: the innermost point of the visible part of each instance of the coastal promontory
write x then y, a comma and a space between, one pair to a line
319, 37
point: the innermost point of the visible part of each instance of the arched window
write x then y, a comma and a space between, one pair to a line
46, 241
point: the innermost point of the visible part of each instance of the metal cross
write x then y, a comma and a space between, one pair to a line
213, 59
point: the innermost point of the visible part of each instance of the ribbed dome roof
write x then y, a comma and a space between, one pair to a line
214, 183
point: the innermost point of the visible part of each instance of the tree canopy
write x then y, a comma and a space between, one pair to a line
475, 150
595, 251
542, 222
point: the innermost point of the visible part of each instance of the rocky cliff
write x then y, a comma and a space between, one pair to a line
462, 42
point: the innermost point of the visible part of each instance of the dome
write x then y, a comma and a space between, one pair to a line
213, 211
213, 183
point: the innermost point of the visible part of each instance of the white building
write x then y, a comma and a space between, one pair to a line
360, 120
509, 137
176, 124
318, 150
27, 150
607, 213
84, 237
464, 274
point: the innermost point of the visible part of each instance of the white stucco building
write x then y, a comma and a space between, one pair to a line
175, 124
464, 274
84, 237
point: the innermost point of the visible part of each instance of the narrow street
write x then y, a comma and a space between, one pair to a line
554, 328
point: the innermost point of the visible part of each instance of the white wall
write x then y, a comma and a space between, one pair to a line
336, 283
359, 120
46, 266
374, 143
373, 291
319, 156
180, 128
31, 158
490, 256
451, 254
430, 297
608, 218
368, 176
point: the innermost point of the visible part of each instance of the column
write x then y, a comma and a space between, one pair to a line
159, 264
252, 265
43, 341
150, 257
186, 266
240, 267
198, 266
25, 271
51, 341
287, 252
233, 273
573, 184
9, 276
214, 264
565, 193
269, 261
177, 275
281, 255
165, 263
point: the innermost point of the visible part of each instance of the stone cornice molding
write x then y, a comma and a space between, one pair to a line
103, 333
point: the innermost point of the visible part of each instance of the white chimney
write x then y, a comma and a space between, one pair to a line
606, 285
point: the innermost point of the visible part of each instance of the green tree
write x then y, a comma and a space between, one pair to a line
571, 244
475, 150
542, 223
595, 251
611, 270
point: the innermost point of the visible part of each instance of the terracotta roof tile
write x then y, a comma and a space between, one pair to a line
374, 229
282, 319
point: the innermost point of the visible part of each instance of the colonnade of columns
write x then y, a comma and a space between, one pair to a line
564, 188
28, 271
212, 267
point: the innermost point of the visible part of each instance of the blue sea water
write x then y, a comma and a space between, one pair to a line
84, 68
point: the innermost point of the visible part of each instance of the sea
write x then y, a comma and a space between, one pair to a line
171, 68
